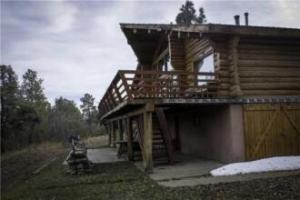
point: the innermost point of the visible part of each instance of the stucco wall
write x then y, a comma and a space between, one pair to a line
214, 132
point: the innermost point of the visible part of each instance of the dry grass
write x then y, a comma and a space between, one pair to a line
96, 142
124, 181
118, 181
50, 147
17, 166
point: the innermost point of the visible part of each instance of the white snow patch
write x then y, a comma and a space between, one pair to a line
264, 165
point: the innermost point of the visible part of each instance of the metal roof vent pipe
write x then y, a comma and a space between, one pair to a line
246, 19
237, 20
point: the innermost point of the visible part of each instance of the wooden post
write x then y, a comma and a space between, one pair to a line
121, 130
235, 88
113, 134
129, 139
148, 132
107, 127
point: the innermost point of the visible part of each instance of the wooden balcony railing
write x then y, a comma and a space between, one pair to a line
129, 85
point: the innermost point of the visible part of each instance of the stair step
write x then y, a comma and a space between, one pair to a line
158, 154
157, 136
158, 144
157, 139
157, 133
159, 148
160, 162
161, 143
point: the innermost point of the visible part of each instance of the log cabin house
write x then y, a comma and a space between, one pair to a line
223, 92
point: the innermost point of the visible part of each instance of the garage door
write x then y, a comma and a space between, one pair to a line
271, 130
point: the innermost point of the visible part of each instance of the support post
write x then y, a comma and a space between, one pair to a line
129, 139
234, 68
114, 135
148, 132
108, 130
121, 130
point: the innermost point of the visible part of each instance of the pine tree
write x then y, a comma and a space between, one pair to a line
34, 97
65, 119
89, 111
17, 118
31, 88
9, 101
187, 15
201, 19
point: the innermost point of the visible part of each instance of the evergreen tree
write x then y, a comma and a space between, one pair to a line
33, 96
89, 111
87, 107
201, 19
17, 118
187, 15
9, 101
65, 119
31, 88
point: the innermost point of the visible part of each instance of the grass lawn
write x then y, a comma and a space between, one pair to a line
124, 181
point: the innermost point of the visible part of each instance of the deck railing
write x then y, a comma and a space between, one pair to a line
130, 84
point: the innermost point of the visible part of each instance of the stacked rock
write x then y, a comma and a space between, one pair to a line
77, 159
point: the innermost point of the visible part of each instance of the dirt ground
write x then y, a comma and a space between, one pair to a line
121, 180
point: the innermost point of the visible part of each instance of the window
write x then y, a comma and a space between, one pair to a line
204, 65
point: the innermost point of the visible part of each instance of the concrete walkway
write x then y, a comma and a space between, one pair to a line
186, 169
187, 172
206, 180
104, 155
180, 173
192, 171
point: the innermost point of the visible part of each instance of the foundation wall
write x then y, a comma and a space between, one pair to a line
214, 132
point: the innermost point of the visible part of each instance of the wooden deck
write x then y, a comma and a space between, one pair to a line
129, 86
135, 88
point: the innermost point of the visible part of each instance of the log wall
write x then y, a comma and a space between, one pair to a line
269, 66
246, 66
258, 67
222, 64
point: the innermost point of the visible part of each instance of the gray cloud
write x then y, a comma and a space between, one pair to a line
77, 46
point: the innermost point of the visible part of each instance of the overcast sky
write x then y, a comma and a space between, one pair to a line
77, 46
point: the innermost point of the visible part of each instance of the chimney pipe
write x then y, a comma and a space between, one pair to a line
246, 18
237, 20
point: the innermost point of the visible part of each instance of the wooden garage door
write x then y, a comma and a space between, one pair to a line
271, 130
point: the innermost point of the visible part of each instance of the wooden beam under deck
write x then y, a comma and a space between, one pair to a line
181, 101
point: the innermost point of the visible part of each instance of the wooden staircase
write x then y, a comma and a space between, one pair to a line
161, 140
159, 148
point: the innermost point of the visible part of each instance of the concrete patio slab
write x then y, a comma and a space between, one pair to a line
189, 171
206, 180
104, 155
185, 167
